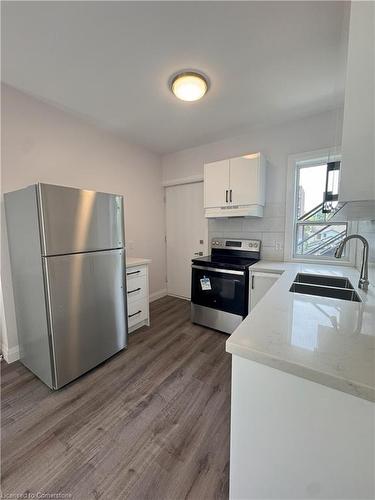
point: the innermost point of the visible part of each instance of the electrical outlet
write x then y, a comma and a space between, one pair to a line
130, 245
278, 246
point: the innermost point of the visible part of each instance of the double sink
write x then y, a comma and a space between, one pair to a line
324, 286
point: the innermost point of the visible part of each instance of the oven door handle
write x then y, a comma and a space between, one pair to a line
217, 270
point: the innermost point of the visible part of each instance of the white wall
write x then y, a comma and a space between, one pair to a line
277, 142
43, 143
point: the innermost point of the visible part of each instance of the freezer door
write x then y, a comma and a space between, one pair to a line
76, 220
87, 310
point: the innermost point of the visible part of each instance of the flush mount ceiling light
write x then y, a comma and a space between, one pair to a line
189, 85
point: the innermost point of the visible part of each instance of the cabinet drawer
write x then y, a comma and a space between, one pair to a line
136, 271
137, 311
136, 288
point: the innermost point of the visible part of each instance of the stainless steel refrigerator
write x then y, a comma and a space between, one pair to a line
68, 270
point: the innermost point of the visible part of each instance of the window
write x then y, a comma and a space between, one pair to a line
314, 182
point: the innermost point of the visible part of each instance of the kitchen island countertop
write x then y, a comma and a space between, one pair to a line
324, 340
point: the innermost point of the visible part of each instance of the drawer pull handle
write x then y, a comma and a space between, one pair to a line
135, 290
133, 272
131, 315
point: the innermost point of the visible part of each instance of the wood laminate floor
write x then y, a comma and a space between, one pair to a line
150, 423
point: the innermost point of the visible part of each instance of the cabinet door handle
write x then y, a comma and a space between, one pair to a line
252, 282
131, 315
230, 195
226, 196
133, 272
135, 290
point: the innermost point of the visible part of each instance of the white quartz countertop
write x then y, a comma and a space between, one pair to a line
136, 261
325, 340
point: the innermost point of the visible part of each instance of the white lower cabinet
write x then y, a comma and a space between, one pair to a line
137, 296
293, 438
260, 283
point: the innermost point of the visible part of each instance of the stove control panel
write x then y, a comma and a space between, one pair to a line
234, 244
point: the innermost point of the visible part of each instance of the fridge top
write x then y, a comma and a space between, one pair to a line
60, 186
77, 220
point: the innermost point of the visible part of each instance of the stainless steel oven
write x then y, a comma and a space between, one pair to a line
220, 283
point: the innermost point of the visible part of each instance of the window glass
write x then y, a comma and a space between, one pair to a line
316, 236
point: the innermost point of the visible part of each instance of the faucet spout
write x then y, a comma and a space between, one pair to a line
363, 280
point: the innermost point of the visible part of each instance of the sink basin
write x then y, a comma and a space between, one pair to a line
319, 279
326, 291
324, 286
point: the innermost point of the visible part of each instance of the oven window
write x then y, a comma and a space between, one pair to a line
226, 292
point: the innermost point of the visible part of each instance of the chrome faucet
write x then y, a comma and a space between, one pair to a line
363, 279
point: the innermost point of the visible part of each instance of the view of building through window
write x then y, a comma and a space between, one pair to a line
315, 235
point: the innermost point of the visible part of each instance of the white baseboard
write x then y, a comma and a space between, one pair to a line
179, 296
158, 294
10, 355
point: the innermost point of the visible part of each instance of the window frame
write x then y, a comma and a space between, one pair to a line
317, 157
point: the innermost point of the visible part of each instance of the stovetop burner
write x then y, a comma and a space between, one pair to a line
231, 254
225, 262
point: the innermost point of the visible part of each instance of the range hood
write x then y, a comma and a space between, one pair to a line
357, 178
235, 211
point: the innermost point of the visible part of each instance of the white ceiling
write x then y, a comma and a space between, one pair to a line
110, 62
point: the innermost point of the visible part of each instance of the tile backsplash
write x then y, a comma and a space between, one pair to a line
270, 229
367, 230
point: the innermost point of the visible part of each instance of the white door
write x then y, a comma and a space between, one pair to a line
216, 184
244, 181
187, 234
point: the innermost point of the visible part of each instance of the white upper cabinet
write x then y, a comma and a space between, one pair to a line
358, 163
235, 187
216, 184
247, 181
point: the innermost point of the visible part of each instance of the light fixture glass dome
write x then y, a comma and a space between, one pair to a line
189, 86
